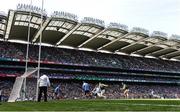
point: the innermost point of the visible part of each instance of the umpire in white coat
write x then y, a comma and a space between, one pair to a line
43, 84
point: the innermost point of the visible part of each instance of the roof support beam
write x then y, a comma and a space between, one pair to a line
68, 34
176, 57
143, 49
125, 46
134, 43
169, 54
112, 41
45, 24
9, 24
160, 42
172, 47
158, 51
92, 38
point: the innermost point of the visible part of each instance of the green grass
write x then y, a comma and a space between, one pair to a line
94, 105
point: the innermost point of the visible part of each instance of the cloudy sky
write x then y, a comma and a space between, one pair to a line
154, 15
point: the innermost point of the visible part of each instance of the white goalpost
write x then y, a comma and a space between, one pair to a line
26, 86
39, 56
27, 50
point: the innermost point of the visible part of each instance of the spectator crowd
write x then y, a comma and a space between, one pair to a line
77, 57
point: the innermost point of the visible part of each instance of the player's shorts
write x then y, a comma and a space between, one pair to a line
126, 91
56, 94
95, 94
102, 91
86, 92
99, 94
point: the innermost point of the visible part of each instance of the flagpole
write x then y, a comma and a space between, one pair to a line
39, 57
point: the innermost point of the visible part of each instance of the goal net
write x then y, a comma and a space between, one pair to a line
24, 87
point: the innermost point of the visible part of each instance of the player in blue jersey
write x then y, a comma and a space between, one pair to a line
86, 89
57, 92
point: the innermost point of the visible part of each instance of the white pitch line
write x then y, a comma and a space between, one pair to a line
158, 105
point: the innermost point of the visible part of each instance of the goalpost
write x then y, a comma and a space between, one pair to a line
25, 86
39, 54
27, 50
39, 57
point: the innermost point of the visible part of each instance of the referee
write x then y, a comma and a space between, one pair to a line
43, 84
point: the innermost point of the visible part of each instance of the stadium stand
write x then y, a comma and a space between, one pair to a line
85, 58
68, 56
76, 57
74, 51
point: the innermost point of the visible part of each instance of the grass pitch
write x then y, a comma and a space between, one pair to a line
94, 105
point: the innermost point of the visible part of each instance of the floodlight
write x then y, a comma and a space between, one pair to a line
159, 34
174, 37
29, 8
140, 30
118, 26
93, 21
65, 15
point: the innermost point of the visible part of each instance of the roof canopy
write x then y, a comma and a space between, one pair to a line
64, 29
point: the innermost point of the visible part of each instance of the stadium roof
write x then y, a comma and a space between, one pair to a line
64, 29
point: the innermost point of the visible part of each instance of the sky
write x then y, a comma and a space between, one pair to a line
153, 15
